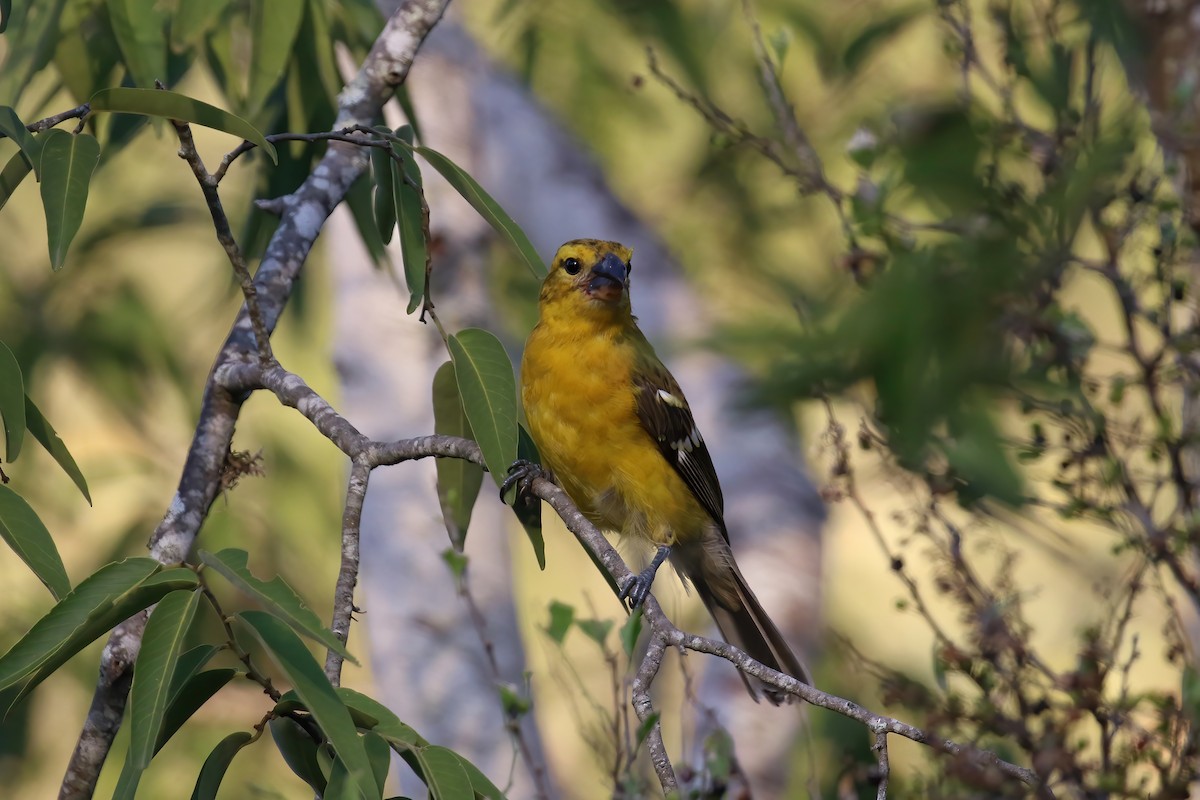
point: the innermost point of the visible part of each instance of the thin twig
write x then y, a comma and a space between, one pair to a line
642, 704
343, 593
880, 748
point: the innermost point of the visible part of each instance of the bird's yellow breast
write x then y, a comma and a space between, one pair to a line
578, 392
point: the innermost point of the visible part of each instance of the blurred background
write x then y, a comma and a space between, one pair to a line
116, 346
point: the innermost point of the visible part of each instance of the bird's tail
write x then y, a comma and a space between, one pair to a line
742, 620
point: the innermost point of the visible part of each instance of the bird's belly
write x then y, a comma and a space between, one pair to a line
616, 477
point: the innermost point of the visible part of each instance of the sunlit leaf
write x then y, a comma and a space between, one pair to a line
46, 436
172, 105
24, 532
489, 396
67, 163
278, 598
458, 480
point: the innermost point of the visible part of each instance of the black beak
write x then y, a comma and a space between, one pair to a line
611, 268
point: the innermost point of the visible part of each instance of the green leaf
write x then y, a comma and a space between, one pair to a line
27, 536
189, 664
630, 632
479, 782
340, 787
314, 689
187, 699
12, 402
561, 617
11, 176
379, 754
67, 163
443, 773
193, 19
100, 602
12, 127
412, 213
487, 207
646, 726
275, 25
529, 510
140, 29
358, 198
385, 197
172, 105
458, 480
489, 396
150, 694
5, 14
45, 434
372, 715
299, 752
279, 598
217, 763
596, 629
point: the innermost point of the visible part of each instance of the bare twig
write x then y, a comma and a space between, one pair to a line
343, 593
644, 707
880, 748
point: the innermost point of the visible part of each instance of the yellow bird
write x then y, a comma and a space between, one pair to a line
614, 429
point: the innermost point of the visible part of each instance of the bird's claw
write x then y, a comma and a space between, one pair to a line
521, 474
637, 588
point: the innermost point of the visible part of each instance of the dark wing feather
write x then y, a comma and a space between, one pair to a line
665, 415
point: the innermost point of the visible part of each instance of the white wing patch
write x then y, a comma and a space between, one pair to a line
670, 399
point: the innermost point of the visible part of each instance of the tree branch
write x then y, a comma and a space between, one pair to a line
302, 216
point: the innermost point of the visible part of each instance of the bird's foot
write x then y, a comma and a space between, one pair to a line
637, 588
522, 474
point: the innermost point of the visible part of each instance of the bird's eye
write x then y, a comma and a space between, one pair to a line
572, 266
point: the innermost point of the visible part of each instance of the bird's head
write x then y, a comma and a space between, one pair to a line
589, 276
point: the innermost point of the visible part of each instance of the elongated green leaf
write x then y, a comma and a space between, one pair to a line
11, 176
314, 689
489, 396
458, 480
372, 715
217, 764
529, 509
487, 207
162, 644
385, 198
358, 198
443, 773
189, 699
379, 755
189, 664
140, 30
299, 752
101, 601
44, 433
412, 214
27, 536
5, 14
67, 161
194, 19
279, 598
127, 782
340, 786
275, 24
12, 127
479, 782
172, 105
12, 403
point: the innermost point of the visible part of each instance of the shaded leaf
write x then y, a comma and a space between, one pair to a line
12, 403
278, 598
275, 25
24, 532
487, 207
217, 763
358, 198
67, 163
5, 14
412, 214
458, 480
140, 30
630, 632
385, 197
596, 629
193, 19
172, 105
489, 396
299, 752
46, 436
12, 127
379, 754
443, 773
561, 617
11, 176
314, 689
150, 694
189, 698
529, 509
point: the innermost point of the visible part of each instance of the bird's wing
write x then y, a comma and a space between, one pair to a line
665, 415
